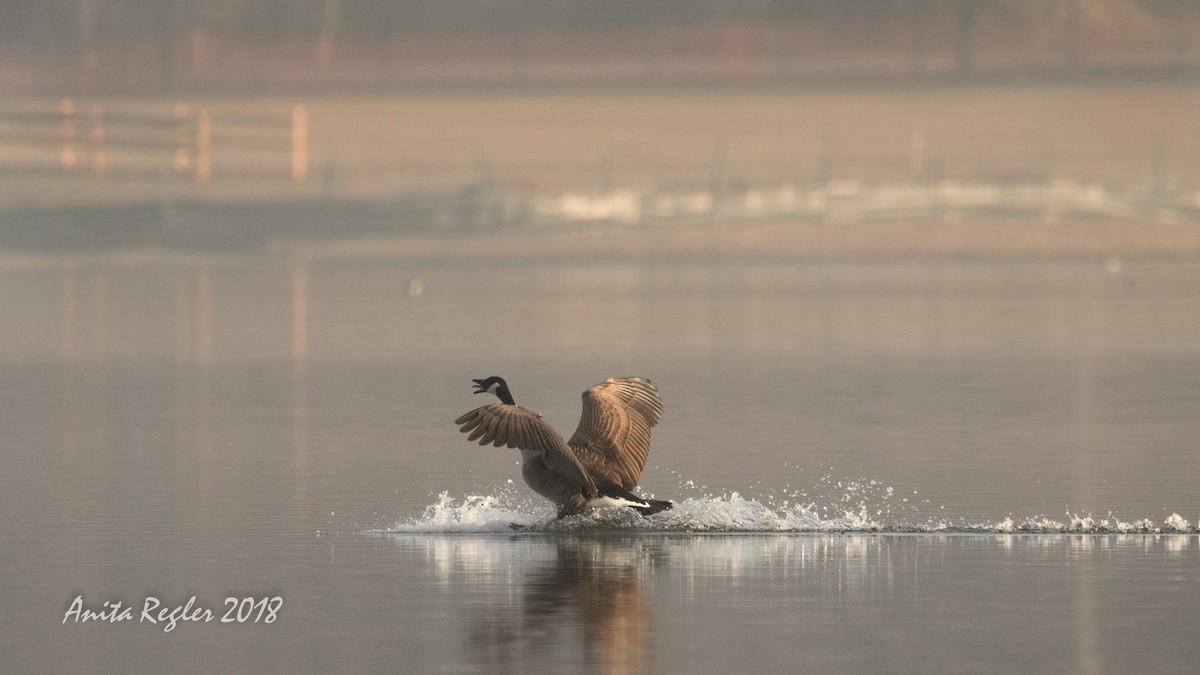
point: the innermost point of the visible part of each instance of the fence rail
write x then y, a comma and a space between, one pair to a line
79, 137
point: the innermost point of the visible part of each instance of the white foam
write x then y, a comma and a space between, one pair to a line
733, 512
475, 513
1076, 524
1177, 524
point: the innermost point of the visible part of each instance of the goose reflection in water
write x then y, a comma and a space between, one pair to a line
591, 591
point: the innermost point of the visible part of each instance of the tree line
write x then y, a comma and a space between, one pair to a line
83, 24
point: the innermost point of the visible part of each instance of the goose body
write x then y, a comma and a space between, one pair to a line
604, 458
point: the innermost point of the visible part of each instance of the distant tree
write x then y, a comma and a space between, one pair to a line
167, 33
89, 18
966, 21
330, 17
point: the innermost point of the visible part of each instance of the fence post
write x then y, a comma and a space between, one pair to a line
607, 172
916, 154
67, 158
181, 158
299, 143
1158, 166
717, 182
203, 147
97, 159
824, 169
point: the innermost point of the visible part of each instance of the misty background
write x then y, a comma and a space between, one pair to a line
918, 266
180, 48
228, 125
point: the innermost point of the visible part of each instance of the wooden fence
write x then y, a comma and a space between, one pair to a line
76, 137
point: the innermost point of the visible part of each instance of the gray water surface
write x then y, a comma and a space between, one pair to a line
885, 467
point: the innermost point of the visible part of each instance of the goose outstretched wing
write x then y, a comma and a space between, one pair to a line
501, 424
613, 438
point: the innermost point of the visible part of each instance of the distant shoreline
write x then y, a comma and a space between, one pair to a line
766, 242
390, 188
785, 240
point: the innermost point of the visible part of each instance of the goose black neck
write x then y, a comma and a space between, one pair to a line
504, 396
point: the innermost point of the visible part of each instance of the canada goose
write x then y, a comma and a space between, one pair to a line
603, 460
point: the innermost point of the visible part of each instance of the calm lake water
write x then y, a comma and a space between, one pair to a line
907, 467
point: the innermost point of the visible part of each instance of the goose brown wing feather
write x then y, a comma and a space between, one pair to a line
467, 417
500, 424
472, 423
613, 437
489, 425
501, 434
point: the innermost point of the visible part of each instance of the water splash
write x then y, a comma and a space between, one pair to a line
1086, 525
476, 513
863, 507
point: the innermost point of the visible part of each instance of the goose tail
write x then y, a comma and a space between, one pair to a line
654, 506
612, 494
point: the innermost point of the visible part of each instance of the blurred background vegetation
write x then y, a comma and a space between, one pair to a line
335, 118
172, 46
